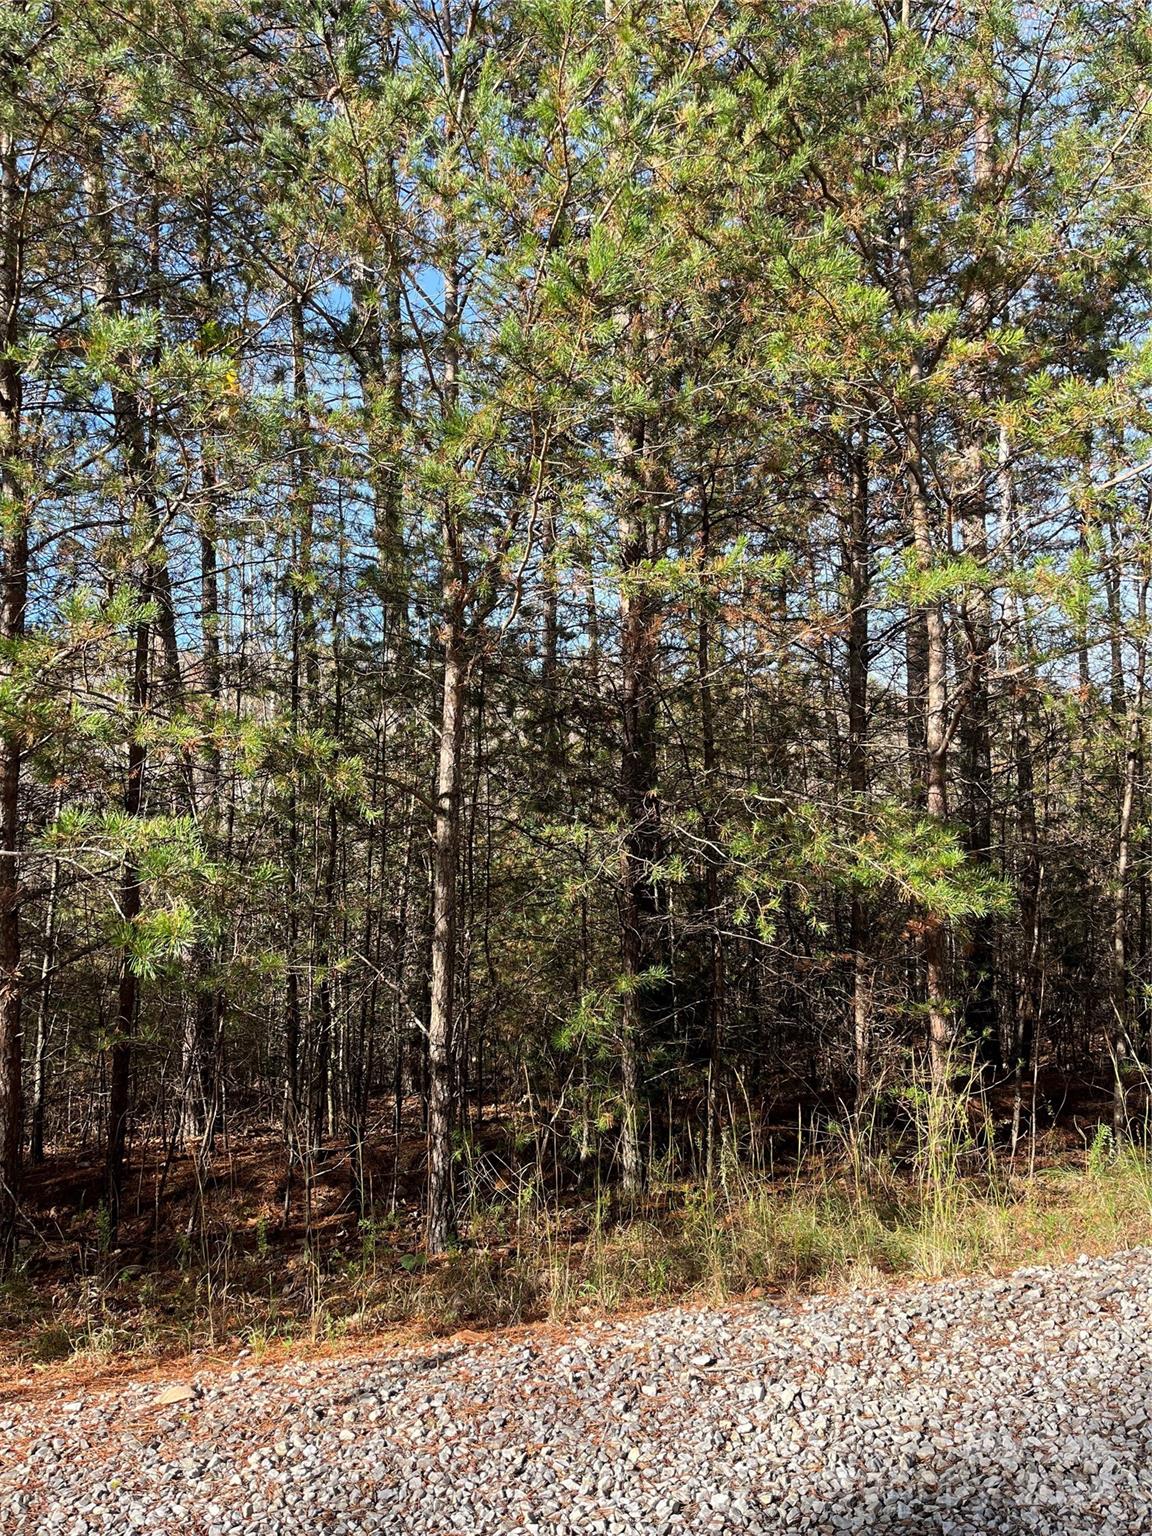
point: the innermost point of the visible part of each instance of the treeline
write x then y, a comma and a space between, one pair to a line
592, 557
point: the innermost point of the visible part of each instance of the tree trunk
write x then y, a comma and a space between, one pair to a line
445, 862
127, 992
715, 997
153, 588
639, 845
441, 1100
201, 1065
40, 1054
981, 1017
934, 937
304, 706
202, 1070
1119, 1041
14, 598
1027, 990
857, 561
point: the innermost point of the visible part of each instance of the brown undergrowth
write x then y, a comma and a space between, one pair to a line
253, 1256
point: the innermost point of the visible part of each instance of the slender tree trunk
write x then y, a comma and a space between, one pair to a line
292, 1009
304, 693
1119, 1024
13, 603
127, 991
981, 1016
134, 433
639, 845
715, 999
551, 709
40, 1053
445, 873
1027, 999
1111, 572
858, 561
441, 1100
934, 942
1028, 990
321, 1117
916, 672
202, 1070
202, 1108
927, 641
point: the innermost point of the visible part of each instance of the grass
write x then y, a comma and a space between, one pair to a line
853, 1211
829, 1234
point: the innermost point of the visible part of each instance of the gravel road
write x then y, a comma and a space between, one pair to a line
979, 1406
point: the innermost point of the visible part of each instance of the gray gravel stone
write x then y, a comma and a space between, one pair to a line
962, 1408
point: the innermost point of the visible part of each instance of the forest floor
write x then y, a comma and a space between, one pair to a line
968, 1407
251, 1257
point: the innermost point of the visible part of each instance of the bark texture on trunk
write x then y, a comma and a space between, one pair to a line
441, 1099
981, 1014
636, 896
445, 868
129, 902
715, 997
934, 935
857, 569
1028, 984
13, 602
1119, 1024
134, 438
39, 1099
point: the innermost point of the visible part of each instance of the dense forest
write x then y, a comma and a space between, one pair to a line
576, 567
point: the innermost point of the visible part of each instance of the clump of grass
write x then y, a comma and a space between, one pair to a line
84, 1345
49, 1344
845, 1220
